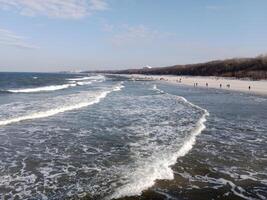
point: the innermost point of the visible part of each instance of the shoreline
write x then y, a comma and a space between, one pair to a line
230, 84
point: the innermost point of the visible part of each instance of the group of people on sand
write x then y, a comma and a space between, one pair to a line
179, 81
207, 84
196, 83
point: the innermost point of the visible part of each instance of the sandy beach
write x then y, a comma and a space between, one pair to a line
249, 86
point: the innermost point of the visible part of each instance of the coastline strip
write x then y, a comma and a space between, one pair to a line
221, 83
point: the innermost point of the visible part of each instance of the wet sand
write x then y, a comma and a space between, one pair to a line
249, 86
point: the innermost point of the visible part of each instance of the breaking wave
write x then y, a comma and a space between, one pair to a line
42, 89
155, 88
72, 83
51, 112
97, 77
160, 168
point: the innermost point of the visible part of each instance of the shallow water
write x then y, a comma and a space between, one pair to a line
108, 137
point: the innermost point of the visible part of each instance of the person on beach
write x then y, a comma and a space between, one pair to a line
249, 87
207, 84
220, 85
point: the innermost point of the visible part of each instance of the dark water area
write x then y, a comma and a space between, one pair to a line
28, 80
87, 136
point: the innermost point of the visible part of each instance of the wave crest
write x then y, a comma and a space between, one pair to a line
51, 112
72, 83
42, 89
160, 166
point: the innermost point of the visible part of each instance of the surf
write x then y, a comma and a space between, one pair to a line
97, 77
42, 89
155, 88
51, 112
48, 88
80, 83
148, 172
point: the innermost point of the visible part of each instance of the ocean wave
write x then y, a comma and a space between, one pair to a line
80, 83
159, 167
42, 89
155, 88
97, 77
51, 112
79, 79
118, 87
50, 88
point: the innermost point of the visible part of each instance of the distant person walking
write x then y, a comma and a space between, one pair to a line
207, 85
249, 87
220, 85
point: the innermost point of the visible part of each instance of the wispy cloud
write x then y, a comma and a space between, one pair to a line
98, 5
126, 34
9, 38
65, 9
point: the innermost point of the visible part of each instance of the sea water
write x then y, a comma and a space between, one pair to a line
106, 137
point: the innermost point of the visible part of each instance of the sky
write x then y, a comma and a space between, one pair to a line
67, 35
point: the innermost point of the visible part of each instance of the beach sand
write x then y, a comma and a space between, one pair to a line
249, 86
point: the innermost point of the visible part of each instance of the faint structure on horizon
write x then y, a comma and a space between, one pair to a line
147, 67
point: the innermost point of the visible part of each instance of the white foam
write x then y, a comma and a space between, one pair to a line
160, 168
156, 89
97, 77
80, 83
79, 79
42, 89
237, 190
48, 113
72, 83
118, 87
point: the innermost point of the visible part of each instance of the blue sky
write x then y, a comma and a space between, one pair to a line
56, 35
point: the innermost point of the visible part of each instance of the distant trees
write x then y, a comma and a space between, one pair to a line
254, 68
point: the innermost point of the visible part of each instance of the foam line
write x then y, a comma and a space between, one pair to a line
87, 78
156, 89
42, 89
80, 83
48, 113
79, 79
146, 176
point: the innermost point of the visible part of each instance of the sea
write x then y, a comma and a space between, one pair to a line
95, 136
